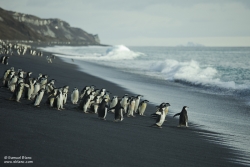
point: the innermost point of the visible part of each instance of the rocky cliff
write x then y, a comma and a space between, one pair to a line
19, 26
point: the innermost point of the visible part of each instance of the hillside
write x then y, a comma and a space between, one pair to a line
19, 26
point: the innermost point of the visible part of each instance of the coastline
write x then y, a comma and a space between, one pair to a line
69, 137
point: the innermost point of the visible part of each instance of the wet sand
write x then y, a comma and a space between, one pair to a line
72, 138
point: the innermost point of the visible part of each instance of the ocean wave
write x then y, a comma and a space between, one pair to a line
192, 73
117, 52
120, 52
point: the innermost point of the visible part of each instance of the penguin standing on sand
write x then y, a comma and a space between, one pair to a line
84, 91
165, 105
75, 96
26, 80
17, 94
65, 91
8, 78
161, 118
4, 60
37, 87
38, 98
50, 86
161, 115
6, 74
113, 103
124, 102
131, 107
52, 97
94, 104
118, 109
183, 119
85, 104
142, 107
103, 109
12, 83
30, 89
137, 102
59, 98
43, 81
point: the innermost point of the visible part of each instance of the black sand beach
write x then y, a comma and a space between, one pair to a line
72, 138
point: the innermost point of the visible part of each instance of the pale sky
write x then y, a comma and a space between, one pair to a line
149, 22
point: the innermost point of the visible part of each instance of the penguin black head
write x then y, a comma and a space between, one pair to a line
162, 105
167, 104
105, 100
114, 97
125, 95
184, 108
29, 73
66, 87
45, 76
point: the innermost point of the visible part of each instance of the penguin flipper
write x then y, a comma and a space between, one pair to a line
176, 114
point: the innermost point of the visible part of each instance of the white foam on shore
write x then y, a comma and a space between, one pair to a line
192, 72
118, 52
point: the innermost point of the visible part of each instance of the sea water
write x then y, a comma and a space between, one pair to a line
151, 71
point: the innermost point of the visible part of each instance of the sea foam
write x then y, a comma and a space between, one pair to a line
120, 52
113, 53
191, 72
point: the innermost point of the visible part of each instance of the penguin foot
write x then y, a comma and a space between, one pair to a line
155, 126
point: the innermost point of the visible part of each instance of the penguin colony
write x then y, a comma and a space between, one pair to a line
88, 100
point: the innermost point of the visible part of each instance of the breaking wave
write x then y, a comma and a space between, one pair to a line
191, 72
120, 52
